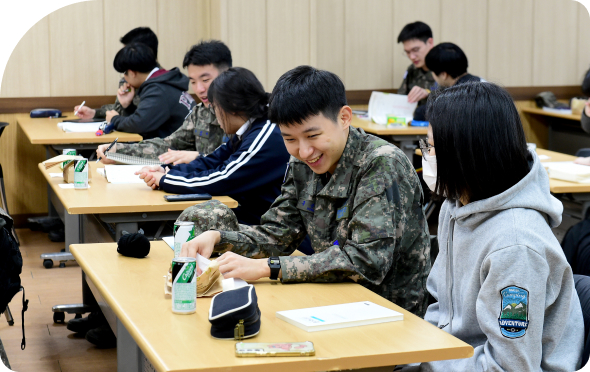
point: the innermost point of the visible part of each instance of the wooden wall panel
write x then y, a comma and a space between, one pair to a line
368, 60
427, 11
509, 62
288, 33
464, 23
246, 36
583, 47
181, 24
27, 72
76, 57
121, 17
328, 47
555, 29
26, 188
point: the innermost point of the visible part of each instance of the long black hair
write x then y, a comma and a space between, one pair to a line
479, 141
237, 91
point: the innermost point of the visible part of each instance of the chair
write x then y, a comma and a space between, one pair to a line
582, 283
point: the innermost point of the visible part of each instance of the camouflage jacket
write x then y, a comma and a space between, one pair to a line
200, 131
416, 77
366, 224
101, 113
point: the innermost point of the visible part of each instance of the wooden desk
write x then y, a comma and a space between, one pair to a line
407, 136
538, 111
44, 131
130, 292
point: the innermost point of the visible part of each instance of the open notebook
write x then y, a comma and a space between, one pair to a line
79, 127
122, 173
568, 171
130, 160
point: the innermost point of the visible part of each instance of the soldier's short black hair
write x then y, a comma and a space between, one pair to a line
304, 92
479, 141
210, 52
417, 30
143, 35
447, 57
135, 57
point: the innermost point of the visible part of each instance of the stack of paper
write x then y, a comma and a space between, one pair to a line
79, 127
122, 173
339, 316
568, 171
383, 104
60, 159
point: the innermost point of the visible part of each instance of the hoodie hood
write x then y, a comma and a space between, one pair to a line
173, 77
532, 192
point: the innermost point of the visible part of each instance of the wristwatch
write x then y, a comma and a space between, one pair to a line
275, 266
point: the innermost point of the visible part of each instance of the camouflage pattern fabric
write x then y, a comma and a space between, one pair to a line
416, 77
199, 132
366, 224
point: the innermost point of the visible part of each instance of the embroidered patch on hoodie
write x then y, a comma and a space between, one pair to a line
514, 313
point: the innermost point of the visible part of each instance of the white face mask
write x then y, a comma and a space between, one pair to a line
429, 171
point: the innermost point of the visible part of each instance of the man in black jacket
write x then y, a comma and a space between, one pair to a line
164, 101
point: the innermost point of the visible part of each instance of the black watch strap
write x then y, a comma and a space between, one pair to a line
275, 266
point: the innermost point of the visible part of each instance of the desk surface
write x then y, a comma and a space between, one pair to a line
44, 131
538, 111
133, 288
104, 197
382, 130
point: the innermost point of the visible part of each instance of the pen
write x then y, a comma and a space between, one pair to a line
108, 148
82, 105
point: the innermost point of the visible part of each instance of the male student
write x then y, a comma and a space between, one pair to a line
200, 134
417, 41
142, 35
164, 101
356, 195
449, 65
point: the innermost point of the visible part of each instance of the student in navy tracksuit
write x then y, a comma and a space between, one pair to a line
250, 167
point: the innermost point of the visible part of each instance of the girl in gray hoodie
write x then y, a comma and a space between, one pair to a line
501, 281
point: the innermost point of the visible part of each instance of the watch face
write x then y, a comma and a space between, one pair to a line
275, 262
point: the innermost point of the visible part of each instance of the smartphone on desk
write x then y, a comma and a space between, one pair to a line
270, 349
186, 197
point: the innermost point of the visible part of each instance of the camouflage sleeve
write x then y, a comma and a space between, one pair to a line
381, 226
281, 230
182, 139
101, 113
403, 89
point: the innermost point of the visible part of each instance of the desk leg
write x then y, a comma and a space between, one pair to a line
130, 358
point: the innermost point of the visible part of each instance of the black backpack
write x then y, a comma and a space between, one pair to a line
11, 265
576, 246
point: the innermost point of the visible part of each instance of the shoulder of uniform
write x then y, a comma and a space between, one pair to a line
377, 149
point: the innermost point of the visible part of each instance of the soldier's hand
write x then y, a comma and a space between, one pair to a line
178, 157
84, 112
233, 265
125, 95
417, 94
100, 153
202, 244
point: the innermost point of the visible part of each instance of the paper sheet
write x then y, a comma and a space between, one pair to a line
204, 263
79, 127
568, 171
54, 175
383, 104
123, 173
544, 157
68, 186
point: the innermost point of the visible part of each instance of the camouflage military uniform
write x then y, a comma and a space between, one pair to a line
366, 224
416, 77
101, 113
200, 131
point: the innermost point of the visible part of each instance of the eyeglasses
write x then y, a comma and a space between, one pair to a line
425, 147
414, 51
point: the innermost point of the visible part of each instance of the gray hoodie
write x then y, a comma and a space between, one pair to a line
512, 290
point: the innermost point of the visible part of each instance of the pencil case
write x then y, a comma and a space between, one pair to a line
234, 315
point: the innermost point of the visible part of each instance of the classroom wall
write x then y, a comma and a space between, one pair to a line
512, 42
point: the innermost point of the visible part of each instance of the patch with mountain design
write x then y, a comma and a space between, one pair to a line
514, 314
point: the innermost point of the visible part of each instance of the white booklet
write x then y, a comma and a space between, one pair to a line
353, 314
79, 127
123, 173
383, 104
568, 171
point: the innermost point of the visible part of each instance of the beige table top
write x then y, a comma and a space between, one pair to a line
538, 111
44, 131
381, 130
134, 289
556, 186
104, 197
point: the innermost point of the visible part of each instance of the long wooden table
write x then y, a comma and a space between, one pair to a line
406, 136
131, 294
538, 111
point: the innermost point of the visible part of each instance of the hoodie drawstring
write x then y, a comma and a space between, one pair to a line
449, 275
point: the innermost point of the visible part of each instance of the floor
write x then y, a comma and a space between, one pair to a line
50, 346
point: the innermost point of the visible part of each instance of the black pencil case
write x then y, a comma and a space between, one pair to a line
234, 315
